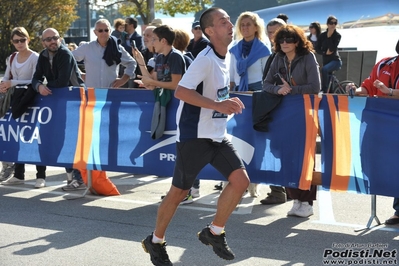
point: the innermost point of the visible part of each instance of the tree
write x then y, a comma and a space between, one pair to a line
168, 7
35, 16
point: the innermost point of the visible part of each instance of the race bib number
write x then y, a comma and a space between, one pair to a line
222, 94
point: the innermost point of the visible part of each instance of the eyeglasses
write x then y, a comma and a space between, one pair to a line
332, 23
15, 41
49, 39
197, 28
311, 27
287, 40
101, 30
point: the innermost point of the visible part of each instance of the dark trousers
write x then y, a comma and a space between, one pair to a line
278, 192
19, 171
303, 195
396, 206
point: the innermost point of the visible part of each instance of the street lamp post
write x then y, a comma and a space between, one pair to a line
88, 19
152, 11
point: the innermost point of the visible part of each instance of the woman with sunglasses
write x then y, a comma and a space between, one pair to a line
20, 71
327, 46
294, 70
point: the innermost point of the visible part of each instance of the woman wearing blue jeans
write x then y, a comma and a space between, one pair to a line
327, 46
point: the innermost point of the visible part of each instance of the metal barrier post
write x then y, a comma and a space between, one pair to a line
373, 214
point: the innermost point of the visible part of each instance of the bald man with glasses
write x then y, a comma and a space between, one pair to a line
57, 65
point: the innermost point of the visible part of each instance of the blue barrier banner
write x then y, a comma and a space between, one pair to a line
340, 124
120, 133
285, 154
380, 145
359, 146
47, 134
109, 129
121, 138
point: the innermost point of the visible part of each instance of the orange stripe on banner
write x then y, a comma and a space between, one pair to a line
341, 143
79, 159
85, 130
311, 121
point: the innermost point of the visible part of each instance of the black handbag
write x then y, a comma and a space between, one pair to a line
22, 99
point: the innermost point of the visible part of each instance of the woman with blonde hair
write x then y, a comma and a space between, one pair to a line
21, 66
249, 57
249, 54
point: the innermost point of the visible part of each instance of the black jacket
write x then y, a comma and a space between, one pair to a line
263, 103
324, 43
196, 47
138, 40
63, 72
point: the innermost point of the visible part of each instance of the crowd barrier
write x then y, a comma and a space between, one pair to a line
109, 129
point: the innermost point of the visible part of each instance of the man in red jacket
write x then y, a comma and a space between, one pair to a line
383, 81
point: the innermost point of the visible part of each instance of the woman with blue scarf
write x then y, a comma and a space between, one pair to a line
248, 59
249, 54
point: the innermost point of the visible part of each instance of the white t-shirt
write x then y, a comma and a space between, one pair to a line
209, 76
22, 72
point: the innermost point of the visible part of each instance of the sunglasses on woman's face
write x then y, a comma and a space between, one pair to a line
15, 41
287, 40
332, 23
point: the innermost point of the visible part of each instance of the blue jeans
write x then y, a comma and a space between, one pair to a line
396, 206
257, 86
328, 68
75, 174
196, 183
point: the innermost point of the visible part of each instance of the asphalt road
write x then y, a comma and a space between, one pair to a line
51, 227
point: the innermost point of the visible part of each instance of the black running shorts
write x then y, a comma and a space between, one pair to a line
193, 155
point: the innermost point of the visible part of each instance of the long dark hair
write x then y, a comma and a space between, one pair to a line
304, 46
317, 26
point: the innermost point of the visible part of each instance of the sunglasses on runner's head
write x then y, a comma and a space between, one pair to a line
54, 38
287, 40
15, 41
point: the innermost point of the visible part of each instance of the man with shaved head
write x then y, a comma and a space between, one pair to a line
57, 65
201, 127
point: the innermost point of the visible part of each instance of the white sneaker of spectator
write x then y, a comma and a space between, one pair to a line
40, 182
74, 185
305, 210
13, 181
295, 206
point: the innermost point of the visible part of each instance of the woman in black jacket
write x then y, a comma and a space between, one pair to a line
327, 46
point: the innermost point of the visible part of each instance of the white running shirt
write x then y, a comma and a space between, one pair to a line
209, 76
